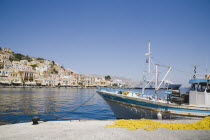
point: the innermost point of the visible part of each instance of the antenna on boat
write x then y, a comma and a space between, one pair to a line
195, 71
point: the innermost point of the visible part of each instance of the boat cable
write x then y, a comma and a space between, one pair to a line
75, 108
173, 67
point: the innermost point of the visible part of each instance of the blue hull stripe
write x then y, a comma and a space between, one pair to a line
145, 104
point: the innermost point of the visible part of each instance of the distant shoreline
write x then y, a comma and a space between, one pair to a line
9, 86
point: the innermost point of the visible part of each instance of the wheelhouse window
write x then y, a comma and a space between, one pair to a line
202, 87
208, 88
194, 87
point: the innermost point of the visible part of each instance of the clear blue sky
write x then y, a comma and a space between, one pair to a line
110, 36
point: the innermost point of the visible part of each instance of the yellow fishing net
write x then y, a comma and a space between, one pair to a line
147, 124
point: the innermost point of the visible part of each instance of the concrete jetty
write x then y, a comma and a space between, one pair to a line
94, 130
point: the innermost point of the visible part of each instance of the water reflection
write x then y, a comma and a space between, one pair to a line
21, 104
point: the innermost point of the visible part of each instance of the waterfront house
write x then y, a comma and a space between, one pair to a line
41, 69
47, 63
8, 65
16, 65
34, 62
64, 82
25, 68
77, 76
73, 81
39, 81
6, 50
4, 60
52, 80
1, 65
88, 81
97, 80
100, 81
5, 56
4, 81
4, 72
49, 82
68, 72
117, 82
27, 76
60, 70
24, 62
15, 78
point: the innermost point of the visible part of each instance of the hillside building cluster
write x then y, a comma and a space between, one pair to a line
38, 71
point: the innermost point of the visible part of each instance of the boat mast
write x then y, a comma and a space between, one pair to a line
156, 80
148, 58
157, 86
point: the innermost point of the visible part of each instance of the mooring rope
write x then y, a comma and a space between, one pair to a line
75, 108
2, 118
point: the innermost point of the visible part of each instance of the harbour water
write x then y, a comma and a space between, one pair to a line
21, 104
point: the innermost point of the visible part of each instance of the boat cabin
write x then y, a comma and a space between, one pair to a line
199, 92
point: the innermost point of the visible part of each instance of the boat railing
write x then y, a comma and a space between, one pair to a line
125, 92
113, 90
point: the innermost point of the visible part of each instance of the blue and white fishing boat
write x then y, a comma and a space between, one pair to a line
132, 105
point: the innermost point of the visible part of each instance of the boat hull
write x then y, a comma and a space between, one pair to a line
127, 108
123, 111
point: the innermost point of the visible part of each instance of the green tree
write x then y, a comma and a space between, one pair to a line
114, 85
28, 58
52, 64
108, 77
54, 71
34, 66
40, 58
11, 59
80, 84
18, 57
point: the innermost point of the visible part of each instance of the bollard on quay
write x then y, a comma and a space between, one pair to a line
35, 120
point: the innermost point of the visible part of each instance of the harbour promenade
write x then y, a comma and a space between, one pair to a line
95, 130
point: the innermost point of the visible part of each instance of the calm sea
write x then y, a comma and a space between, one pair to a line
21, 104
